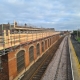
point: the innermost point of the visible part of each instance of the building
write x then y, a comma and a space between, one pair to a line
21, 46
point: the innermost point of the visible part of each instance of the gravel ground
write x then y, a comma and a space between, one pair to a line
55, 72
61, 75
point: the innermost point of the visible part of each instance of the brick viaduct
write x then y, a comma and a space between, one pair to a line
19, 59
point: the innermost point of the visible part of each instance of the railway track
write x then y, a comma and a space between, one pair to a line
56, 75
67, 71
37, 72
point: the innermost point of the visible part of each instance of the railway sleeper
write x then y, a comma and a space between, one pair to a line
36, 76
49, 54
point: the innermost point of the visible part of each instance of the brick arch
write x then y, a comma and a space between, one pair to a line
45, 44
31, 53
38, 43
48, 42
51, 40
19, 51
42, 44
38, 49
20, 58
30, 46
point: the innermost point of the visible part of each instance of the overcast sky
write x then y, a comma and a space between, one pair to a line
58, 14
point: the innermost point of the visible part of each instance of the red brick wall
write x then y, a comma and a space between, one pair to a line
26, 56
4, 72
12, 64
35, 55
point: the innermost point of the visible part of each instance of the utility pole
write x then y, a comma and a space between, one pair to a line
77, 33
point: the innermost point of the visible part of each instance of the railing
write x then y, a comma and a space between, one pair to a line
16, 38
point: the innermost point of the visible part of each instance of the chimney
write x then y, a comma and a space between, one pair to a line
15, 24
25, 24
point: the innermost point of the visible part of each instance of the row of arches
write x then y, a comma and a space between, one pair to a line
21, 54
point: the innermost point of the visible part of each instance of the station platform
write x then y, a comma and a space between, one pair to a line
74, 62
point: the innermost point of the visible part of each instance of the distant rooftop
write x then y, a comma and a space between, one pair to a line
15, 25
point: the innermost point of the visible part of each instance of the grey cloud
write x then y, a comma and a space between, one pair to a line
61, 14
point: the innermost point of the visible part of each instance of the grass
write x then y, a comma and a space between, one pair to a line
78, 39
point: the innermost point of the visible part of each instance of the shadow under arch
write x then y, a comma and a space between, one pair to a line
20, 56
31, 53
38, 49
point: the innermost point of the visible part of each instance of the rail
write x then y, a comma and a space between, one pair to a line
68, 72
43, 65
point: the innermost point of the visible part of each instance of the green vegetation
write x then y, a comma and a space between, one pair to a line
76, 33
78, 39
